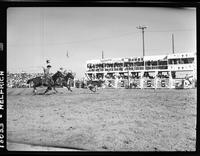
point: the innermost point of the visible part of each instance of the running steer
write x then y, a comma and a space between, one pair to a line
93, 85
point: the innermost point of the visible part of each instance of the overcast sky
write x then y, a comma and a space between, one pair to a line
37, 34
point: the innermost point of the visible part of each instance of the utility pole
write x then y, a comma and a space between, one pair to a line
142, 28
173, 43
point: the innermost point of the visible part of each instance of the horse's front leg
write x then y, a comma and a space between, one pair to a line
68, 87
47, 90
34, 91
54, 88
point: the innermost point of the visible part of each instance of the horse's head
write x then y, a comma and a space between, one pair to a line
57, 75
70, 75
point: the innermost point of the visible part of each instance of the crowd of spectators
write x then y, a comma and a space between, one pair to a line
19, 80
125, 66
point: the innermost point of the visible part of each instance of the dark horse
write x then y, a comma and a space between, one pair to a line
38, 81
64, 81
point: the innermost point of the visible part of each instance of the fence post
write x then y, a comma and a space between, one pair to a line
155, 80
142, 80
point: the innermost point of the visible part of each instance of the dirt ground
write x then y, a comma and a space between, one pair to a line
108, 120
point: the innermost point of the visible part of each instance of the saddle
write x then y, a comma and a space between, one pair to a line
46, 80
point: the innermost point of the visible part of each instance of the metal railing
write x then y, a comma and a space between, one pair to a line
156, 67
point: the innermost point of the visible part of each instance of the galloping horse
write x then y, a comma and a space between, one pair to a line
65, 79
38, 81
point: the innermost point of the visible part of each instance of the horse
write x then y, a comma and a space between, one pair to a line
38, 81
65, 79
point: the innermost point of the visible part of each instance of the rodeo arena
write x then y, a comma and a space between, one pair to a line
122, 104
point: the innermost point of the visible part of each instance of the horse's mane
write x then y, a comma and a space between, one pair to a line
67, 75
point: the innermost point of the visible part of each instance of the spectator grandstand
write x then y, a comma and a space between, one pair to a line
18, 80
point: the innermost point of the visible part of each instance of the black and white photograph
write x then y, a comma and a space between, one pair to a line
101, 79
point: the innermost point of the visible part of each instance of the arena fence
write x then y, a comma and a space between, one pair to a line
160, 83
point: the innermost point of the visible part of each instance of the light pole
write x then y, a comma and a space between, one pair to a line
173, 43
142, 28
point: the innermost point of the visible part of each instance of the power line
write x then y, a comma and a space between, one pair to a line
171, 30
97, 39
78, 41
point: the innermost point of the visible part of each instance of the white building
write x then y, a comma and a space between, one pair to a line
159, 71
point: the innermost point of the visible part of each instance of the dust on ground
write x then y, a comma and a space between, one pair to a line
108, 120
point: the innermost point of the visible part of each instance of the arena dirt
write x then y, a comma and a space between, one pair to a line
108, 120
